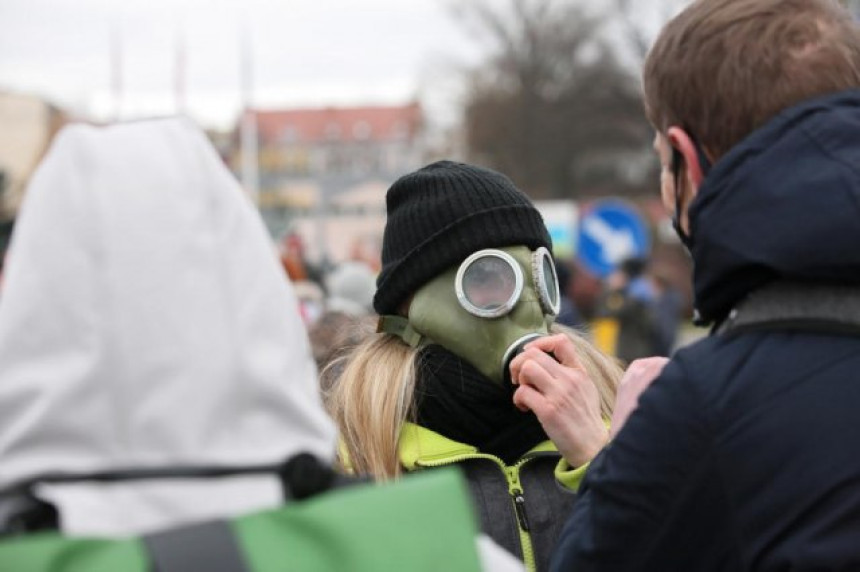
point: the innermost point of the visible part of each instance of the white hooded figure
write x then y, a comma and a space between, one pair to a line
146, 323
351, 286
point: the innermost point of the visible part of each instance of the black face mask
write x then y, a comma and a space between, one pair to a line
677, 159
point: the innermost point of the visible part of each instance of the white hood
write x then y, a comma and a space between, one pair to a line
145, 322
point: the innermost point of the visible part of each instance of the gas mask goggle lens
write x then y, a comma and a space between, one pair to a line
489, 283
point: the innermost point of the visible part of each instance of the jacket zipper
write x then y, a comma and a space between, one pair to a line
512, 475
519, 500
520, 506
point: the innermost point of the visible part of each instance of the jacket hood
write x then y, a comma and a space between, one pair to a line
782, 204
145, 322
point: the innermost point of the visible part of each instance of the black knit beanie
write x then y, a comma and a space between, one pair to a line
442, 213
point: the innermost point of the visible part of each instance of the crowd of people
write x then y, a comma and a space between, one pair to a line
173, 397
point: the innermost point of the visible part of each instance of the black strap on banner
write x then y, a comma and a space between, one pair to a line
141, 474
210, 546
301, 476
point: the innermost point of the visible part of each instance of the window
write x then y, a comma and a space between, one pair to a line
361, 130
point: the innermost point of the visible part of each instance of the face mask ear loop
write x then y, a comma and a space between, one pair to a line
704, 162
705, 165
676, 174
400, 327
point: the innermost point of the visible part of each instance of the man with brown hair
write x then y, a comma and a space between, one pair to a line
743, 453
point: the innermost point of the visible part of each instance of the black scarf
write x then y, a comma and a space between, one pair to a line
455, 400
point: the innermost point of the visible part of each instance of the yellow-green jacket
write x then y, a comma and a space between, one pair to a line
523, 506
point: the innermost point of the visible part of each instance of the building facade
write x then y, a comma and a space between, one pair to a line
323, 171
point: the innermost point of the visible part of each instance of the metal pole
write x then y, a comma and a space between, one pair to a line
116, 67
249, 143
250, 151
179, 68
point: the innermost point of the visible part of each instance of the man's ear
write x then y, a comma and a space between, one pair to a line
680, 140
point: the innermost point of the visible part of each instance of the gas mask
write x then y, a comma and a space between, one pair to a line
486, 309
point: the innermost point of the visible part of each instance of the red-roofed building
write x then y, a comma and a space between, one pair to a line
345, 124
365, 142
312, 161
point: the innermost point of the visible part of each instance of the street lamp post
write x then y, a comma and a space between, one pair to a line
248, 135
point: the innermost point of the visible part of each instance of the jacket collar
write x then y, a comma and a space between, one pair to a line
420, 446
781, 205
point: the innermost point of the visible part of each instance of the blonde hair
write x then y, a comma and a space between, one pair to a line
604, 371
375, 394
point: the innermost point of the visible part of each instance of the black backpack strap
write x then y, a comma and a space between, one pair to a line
301, 476
25, 512
797, 306
210, 546
304, 476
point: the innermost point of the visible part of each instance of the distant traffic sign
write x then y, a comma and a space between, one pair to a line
610, 232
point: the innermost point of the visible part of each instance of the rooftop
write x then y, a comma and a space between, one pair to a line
344, 124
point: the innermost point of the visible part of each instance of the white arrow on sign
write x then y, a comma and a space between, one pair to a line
616, 245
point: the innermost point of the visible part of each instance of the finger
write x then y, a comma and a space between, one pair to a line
516, 365
638, 377
548, 345
632, 379
545, 360
527, 398
650, 364
559, 345
533, 373
642, 372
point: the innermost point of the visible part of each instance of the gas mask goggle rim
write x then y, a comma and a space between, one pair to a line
547, 287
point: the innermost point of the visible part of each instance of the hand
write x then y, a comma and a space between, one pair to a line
639, 375
562, 396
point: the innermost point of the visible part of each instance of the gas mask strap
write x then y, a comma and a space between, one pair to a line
400, 327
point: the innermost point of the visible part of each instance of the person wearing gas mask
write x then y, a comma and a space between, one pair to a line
467, 281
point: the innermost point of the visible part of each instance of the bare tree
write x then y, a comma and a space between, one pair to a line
638, 21
552, 100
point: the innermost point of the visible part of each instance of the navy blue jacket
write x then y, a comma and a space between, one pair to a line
745, 453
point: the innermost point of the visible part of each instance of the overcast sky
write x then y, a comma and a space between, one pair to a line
304, 52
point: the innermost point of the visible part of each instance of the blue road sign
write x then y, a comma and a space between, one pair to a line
610, 232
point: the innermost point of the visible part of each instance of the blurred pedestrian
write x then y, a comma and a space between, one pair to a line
292, 252
347, 318
629, 304
349, 288
568, 314
311, 301
668, 311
